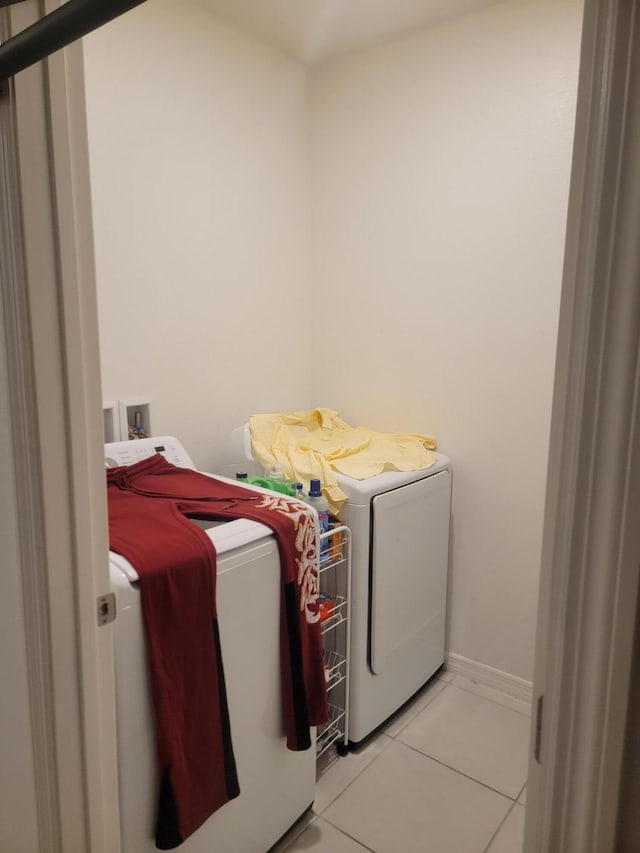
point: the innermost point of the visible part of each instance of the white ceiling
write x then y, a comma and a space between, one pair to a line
313, 30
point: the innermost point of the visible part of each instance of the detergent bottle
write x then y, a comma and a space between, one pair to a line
320, 503
275, 475
274, 480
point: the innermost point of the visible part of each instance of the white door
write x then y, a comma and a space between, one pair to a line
409, 555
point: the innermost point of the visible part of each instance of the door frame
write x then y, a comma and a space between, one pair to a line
54, 397
591, 546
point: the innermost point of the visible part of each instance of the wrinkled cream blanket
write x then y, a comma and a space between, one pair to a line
317, 442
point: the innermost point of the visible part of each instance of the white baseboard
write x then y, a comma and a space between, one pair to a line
489, 677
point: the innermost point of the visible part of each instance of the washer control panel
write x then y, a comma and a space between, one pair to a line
118, 453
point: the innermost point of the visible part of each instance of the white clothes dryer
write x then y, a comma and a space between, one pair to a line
276, 785
399, 523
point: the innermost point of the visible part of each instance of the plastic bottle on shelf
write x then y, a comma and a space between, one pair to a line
274, 480
321, 505
273, 472
300, 492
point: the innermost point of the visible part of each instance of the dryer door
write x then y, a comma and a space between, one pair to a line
409, 554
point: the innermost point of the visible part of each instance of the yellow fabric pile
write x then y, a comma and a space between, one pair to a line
317, 442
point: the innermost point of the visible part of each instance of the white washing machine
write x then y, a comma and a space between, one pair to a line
399, 523
276, 785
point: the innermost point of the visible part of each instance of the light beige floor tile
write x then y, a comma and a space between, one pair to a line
395, 726
469, 733
510, 837
345, 769
404, 802
296, 830
322, 837
522, 799
498, 696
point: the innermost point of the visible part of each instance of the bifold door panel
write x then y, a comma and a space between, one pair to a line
409, 551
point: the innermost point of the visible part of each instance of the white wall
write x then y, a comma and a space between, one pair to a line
198, 141
441, 166
412, 211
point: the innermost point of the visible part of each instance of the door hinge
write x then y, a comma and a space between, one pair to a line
106, 608
538, 737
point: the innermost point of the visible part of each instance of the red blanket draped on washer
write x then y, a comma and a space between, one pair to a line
150, 503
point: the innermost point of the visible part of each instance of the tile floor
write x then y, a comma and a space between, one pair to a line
447, 775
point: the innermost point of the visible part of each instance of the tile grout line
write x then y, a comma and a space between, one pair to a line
417, 713
426, 755
352, 837
389, 738
499, 827
459, 772
297, 835
357, 776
